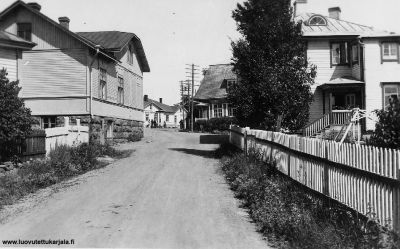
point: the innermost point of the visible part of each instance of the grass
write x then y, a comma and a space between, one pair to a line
291, 216
62, 163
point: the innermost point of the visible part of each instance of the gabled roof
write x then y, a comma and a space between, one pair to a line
10, 40
337, 27
161, 106
88, 42
214, 77
115, 41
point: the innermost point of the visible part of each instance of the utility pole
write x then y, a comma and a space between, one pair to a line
193, 72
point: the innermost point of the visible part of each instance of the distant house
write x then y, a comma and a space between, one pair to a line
162, 113
94, 76
357, 66
11, 47
212, 93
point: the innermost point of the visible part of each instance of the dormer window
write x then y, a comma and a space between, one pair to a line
317, 21
130, 55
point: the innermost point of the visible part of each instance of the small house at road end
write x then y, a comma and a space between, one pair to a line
357, 67
161, 113
211, 97
94, 76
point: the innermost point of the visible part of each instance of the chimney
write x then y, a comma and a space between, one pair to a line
146, 97
160, 100
299, 6
34, 6
64, 21
335, 12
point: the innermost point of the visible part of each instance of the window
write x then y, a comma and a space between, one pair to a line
354, 53
120, 90
390, 91
230, 83
339, 53
175, 119
130, 55
231, 111
24, 30
317, 21
48, 122
390, 51
217, 110
147, 117
167, 118
103, 84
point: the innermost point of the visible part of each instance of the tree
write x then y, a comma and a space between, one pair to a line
270, 60
15, 118
387, 130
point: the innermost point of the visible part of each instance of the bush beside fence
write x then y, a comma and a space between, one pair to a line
365, 178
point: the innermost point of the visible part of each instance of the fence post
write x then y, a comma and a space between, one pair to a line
66, 121
245, 142
326, 171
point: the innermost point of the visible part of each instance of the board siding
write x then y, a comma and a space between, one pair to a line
8, 60
45, 34
53, 73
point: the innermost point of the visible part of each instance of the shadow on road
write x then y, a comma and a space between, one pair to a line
202, 153
214, 139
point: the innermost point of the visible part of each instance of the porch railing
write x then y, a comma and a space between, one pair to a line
335, 117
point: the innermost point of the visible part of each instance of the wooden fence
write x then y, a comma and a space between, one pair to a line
365, 178
34, 145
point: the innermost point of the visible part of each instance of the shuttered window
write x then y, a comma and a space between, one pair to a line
120, 90
24, 30
103, 84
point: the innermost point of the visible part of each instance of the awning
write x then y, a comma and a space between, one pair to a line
342, 82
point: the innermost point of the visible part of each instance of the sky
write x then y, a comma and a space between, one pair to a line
179, 32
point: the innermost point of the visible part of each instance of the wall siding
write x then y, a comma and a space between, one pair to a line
44, 34
319, 54
8, 60
58, 106
356, 71
53, 73
375, 74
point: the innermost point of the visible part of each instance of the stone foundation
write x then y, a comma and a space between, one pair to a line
99, 126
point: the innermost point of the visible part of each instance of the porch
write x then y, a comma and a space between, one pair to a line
339, 97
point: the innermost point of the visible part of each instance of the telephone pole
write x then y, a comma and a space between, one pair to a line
193, 73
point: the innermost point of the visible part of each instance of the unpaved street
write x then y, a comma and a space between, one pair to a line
167, 194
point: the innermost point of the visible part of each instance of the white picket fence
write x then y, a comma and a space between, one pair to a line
66, 135
365, 178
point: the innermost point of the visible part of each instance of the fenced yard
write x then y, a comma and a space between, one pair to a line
41, 142
365, 178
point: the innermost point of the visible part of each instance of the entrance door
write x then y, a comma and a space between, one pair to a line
350, 100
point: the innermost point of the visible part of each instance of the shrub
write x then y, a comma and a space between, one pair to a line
135, 136
214, 124
16, 119
387, 130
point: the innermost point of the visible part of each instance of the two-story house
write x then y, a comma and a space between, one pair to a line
94, 76
357, 66
212, 93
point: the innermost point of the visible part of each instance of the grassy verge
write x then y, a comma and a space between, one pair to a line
291, 216
62, 163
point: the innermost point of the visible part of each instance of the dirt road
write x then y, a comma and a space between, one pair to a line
167, 194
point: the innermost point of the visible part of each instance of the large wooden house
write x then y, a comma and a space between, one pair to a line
357, 66
162, 114
94, 76
211, 96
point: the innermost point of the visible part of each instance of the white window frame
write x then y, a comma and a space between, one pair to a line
337, 58
388, 95
121, 92
102, 83
390, 51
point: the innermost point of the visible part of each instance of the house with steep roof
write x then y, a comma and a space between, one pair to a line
212, 94
161, 113
94, 76
357, 67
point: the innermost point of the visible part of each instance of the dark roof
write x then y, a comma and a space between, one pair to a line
163, 107
337, 27
10, 40
214, 77
103, 50
115, 41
